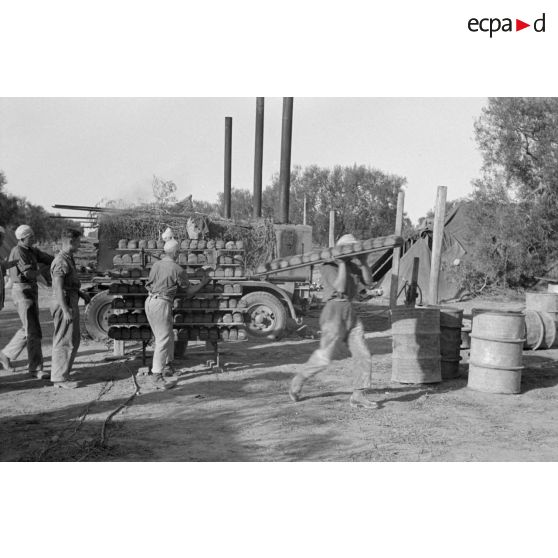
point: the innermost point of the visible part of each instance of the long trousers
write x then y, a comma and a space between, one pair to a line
29, 335
340, 325
159, 316
65, 340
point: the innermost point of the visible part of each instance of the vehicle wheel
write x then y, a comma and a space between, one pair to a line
96, 316
266, 316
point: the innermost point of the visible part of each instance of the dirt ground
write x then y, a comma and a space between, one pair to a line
243, 413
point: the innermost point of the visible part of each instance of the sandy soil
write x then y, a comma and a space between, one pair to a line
243, 413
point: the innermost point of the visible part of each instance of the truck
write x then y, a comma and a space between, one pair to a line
268, 303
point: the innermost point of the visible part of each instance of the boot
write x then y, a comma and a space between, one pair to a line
359, 400
296, 387
40, 374
66, 384
158, 381
4, 360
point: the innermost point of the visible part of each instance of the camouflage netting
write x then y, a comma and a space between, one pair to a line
138, 224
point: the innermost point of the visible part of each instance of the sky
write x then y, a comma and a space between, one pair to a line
80, 151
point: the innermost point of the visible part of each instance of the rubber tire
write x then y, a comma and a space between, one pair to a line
274, 304
94, 312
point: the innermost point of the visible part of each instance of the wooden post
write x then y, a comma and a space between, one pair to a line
394, 284
304, 211
437, 240
332, 228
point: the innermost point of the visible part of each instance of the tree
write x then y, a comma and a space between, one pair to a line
364, 199
15, 211
518, 138
513, 214
241, 204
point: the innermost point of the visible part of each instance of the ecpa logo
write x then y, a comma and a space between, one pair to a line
492, 25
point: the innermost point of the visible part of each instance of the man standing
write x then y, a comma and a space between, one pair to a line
165, 277
340, 324
65, 310
25, 295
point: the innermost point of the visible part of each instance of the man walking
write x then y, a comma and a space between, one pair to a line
340, 325
165, 277
25, 295
65, 310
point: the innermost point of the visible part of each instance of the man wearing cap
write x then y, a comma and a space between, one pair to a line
165, 277
25, 295
340, 325
65, 310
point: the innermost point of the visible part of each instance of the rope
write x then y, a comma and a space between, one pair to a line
120, 407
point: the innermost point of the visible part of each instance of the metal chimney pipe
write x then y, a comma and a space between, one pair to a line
285, 169
258, 157
228, 160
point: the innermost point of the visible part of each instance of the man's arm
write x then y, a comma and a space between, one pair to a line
360, 262
25, 266
190, 290
43, 257
7, 264
58, 286
85, 296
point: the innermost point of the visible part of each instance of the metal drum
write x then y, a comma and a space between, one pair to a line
540, 330
544, 302
416, 345
451, 320
497, 340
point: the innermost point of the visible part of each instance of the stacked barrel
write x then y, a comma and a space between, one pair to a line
427, 340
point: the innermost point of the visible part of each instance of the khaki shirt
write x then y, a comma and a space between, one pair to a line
27, 268
328, 274
64, 266
165, 277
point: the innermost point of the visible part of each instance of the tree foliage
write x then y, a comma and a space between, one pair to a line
364, 200
518, 138
15, 211
514, 218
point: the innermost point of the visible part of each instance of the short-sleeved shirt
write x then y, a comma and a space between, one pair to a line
64, 266
165, 277
28, 259
328, 273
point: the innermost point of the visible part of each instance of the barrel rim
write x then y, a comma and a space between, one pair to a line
497, 339
496, 311
511, 368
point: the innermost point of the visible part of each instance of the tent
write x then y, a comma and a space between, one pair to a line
454, 247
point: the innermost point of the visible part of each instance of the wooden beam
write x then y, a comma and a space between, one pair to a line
394, 284
437, 241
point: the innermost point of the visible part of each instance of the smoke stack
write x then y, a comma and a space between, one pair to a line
258, 157
285, 169
228, 159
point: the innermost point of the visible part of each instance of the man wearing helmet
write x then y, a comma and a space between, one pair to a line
25, 294
340, 325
